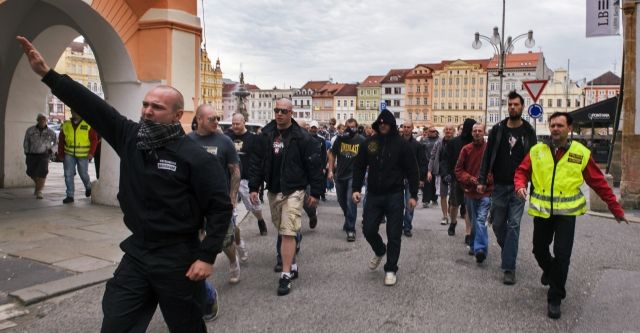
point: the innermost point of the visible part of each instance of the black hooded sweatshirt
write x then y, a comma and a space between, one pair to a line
390, 161
455, 145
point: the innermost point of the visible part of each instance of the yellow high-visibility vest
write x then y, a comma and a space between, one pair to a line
76, 141
557, 184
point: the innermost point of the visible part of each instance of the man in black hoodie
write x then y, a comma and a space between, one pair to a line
390, 161
456, 193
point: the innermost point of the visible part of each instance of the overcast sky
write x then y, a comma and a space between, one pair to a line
289, 42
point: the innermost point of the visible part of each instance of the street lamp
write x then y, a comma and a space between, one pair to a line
501, 49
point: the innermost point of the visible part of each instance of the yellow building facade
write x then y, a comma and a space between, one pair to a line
459, 91
210, 82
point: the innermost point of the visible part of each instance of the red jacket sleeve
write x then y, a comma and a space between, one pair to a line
61, 144
461, 174
523, 173
596, 180
93, 138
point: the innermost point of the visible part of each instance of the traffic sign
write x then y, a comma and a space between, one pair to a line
535, 87
383, 105
535, 111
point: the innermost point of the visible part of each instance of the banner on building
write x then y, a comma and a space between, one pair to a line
603, 18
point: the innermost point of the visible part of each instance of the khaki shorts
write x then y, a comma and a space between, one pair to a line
286, 212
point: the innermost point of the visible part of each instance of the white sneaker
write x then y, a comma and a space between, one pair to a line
39, 195
390, 279
375, 262
444, 221
234, 272
242, 252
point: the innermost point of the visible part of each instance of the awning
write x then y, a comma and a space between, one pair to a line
598, 115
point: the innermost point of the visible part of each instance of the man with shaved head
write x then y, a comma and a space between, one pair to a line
166, 195
288, 159
421, 158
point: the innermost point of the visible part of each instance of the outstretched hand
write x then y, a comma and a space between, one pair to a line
36, 61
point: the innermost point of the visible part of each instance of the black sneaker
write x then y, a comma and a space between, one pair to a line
452, 229
544, 279
87, 193
470, 252
284, 285
351, 236
294, 274
553, 311
278, 267
480, 257
211, 311
263, 227
467, 239
408, 233
67, 200
509, 278
313, 222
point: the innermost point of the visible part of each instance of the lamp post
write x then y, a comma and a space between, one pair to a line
501, 50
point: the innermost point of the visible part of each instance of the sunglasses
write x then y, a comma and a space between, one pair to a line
281, 111
213, 119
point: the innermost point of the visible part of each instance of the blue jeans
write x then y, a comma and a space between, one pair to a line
349, 208
506, 212
211, 293
478, 209
69, 164
408, 213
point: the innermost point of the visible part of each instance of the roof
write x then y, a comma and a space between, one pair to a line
601, 114
412, 75
77, 46
484, 63
399, 74
518, 60
314, 85
328, 90
349, 89
606, 79
372, 81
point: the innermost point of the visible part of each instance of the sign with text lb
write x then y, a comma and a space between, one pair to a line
534, 88
535, 111
603, 18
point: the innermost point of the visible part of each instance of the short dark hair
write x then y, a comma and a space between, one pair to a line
351, 120
513, 94
566, 115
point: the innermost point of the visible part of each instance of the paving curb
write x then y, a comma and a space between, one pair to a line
41, 292
632, 219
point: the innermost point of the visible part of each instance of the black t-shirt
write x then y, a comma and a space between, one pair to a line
510, 154
244, 144
278, 152
345, 151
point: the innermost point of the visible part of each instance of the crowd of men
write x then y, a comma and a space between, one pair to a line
163, 170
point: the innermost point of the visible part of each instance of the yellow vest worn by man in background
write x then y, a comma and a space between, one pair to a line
76, 141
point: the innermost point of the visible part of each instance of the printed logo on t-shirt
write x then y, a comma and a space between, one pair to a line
349, 150
167, 165
372, 147
512, 143
278, 146
213, 150
238, 144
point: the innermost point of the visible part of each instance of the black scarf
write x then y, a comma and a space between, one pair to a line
153, 135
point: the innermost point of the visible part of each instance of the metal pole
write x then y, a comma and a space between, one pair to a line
502, 58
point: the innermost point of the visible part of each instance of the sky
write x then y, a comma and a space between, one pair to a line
286, 43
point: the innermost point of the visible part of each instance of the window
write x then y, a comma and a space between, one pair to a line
396, 102
418, 101
492, 86
466, 81
473, 80
435, 82
441, 106
435, 93
397, 90
417, 89
481, 93
480, 106
464, 106
450, 93
351, 103
550, 102
442, 94
541, 102
473, 93
481, 80
457, 81
568, 103
387, 91
449, 119
457, 106
473, 106
425, 101
362, 104
559, 102
457, 120
450, 81
449, 106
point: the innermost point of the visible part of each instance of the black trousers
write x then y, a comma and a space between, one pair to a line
429, 191
391, 206
137, 287
560, 230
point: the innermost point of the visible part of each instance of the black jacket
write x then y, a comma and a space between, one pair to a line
165, 197
421, 157
493, 145
455, 145
390, 161
301, 165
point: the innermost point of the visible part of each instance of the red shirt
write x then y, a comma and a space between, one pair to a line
591, 174
468, 168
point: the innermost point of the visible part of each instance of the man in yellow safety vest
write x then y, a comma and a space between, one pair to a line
557, 169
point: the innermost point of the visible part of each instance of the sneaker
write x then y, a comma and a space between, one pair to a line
242, 252
425, 205
470, 252
390, 279
234, 272
294, 274
284, 285
278, 267
87, 193
263, 227
544, 279
553, 311
408, 233
351, 236
509, 278
452, 229
480, 257
39, 195
313, 222
211, 310
67, 200
375, 262
444, 221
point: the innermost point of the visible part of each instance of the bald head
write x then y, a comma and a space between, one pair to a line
284, 103
283, 113
163, 104
207, 119
407, 128
237, 124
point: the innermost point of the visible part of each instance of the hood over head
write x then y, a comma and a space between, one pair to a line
467, 128
386, 117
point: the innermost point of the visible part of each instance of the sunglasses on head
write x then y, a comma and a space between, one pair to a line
281, 111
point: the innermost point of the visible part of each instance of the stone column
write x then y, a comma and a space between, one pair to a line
630, 180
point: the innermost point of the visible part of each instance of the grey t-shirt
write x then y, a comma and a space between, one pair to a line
220, 146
